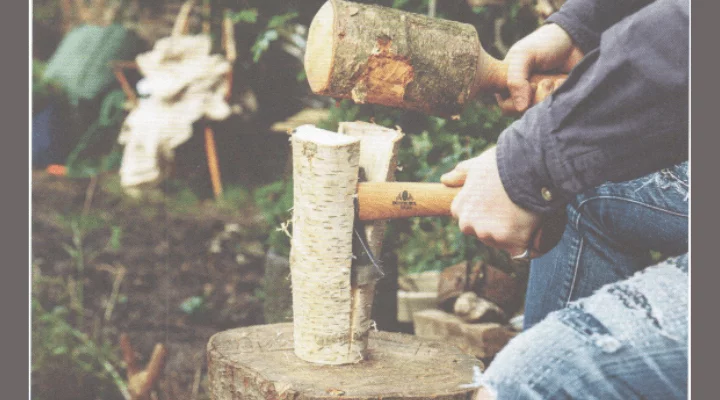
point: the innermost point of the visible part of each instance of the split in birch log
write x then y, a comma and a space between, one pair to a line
378, 162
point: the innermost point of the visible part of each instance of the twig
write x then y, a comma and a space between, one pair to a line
89, 194
119, 275
141, 382
181, 22
196, 383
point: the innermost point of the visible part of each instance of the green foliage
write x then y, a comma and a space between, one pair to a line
234, 197
276, 201
44, 90
193, 306
112, 113
63, 355
278, 26
248, 16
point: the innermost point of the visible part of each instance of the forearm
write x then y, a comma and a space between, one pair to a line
622, 113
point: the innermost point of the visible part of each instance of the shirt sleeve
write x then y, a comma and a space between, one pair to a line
586, 20
622, 113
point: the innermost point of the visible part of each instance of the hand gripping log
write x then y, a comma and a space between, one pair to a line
380, 55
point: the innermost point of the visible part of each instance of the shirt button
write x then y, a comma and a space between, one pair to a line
546, 194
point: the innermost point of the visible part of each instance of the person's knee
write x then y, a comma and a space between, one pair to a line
606, 346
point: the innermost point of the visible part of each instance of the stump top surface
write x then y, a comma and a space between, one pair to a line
398, 365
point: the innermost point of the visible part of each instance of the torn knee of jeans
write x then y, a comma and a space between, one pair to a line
634, 300
681, 262
584, 323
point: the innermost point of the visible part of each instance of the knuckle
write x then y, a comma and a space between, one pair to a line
516, 83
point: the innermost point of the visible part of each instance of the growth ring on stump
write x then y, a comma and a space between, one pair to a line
257, 362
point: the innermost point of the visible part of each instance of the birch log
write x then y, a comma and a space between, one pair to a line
325, 173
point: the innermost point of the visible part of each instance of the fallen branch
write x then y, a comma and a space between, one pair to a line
141, 382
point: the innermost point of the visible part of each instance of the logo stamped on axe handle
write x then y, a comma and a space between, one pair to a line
404, 200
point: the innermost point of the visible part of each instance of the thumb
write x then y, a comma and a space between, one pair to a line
457, 176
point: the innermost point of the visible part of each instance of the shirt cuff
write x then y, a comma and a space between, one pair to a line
524, 166
586, 39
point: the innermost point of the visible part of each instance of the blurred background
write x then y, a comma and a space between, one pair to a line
162, 239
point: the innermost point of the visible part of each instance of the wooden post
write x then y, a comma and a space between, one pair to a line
257, 362
325, 176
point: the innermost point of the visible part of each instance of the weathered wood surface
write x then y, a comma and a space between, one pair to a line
258, 362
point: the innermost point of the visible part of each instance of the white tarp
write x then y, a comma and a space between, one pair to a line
185, 83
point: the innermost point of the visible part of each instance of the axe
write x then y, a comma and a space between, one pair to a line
394, 200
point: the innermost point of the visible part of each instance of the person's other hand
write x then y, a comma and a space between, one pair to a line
484, 209
548, 49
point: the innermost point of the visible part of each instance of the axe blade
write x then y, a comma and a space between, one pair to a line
366, 268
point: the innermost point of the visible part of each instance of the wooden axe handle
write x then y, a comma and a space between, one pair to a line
493, 75
390, 200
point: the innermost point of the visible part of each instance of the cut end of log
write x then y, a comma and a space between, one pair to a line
322, 137
319, 50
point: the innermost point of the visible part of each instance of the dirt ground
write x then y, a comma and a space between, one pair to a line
188, 275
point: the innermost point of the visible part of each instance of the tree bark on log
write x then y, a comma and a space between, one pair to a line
257, 362
325, 175
380, 55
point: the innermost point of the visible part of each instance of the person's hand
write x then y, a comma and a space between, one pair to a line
484, 209
548, 49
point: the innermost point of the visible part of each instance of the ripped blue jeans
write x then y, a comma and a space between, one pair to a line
600, 322
629, 340
610, 232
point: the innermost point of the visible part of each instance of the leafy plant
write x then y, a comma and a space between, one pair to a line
80, 226
275, 201
62, 353
193, 306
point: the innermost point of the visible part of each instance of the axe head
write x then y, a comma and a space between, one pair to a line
366, 267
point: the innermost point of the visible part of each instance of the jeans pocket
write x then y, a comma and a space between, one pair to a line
675, 178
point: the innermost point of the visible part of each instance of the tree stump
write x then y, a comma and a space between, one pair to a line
259, 362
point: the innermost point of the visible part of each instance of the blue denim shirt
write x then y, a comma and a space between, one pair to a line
621, 114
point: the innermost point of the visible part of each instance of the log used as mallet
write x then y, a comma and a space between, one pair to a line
379, 55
